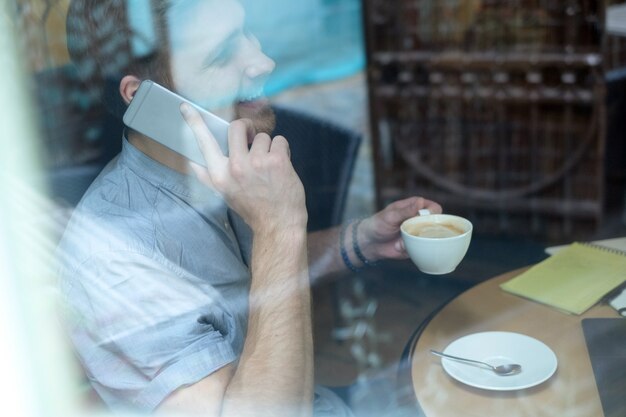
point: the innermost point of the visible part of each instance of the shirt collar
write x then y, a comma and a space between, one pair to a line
186, 186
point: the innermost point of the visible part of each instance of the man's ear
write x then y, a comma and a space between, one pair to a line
128, 87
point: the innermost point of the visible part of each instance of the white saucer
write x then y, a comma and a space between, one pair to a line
496, 348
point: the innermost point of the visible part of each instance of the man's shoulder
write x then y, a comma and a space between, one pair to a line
119, 188
114, 215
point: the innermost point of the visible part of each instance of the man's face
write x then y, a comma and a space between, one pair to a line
215, 62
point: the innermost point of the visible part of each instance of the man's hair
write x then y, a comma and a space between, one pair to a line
100, 39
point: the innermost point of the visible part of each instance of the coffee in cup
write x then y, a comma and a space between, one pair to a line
434, 229
436, 243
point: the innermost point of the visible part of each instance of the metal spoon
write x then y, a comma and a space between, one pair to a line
502, 370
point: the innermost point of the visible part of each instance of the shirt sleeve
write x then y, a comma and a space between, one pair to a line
143, 329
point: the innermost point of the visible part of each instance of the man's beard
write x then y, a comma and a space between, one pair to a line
261, 114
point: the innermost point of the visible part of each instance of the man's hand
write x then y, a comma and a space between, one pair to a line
379, 235
260, 184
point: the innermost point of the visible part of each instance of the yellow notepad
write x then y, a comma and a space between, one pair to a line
573, 279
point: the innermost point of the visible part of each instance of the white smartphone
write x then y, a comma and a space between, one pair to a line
155, 112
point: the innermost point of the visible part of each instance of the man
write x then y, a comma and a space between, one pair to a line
190, 291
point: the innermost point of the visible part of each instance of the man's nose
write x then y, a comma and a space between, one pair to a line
260, 65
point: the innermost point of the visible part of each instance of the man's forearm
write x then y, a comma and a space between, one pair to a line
325, 253
275, 372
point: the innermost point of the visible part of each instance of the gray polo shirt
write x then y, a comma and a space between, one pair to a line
155, 283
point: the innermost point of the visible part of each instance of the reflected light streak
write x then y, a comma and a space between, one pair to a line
33, 362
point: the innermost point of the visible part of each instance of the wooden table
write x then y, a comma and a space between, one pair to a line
570, 392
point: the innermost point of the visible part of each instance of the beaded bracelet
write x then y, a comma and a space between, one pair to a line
342, 249
355, 245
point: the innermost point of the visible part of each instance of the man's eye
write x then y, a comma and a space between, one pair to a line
223, 57
250, 36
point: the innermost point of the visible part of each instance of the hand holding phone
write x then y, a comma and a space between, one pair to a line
155, 112
258, 182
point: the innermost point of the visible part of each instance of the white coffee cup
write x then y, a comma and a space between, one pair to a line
436, 243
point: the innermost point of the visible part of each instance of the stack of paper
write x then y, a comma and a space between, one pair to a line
573, 279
